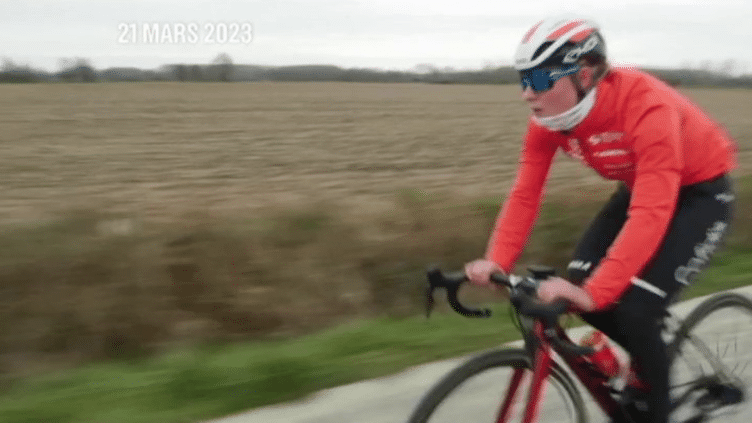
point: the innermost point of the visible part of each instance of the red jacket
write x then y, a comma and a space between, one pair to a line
640, 131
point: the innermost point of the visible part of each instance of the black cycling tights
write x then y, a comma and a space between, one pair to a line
699, 225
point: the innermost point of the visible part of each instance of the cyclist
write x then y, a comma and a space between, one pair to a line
668, 215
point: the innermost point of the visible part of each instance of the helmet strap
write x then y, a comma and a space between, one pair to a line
572, 117
581, 92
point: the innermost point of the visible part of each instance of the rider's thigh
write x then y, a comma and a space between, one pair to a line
700, 225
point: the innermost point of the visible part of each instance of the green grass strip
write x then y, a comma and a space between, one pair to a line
200, 383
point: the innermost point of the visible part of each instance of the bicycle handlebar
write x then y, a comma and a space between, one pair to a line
522, 296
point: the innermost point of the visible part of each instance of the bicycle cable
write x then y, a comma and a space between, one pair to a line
515, 318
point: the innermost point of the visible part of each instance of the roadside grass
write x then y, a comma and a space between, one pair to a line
198, 383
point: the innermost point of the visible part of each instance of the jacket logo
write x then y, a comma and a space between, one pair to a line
611, 153
605, 137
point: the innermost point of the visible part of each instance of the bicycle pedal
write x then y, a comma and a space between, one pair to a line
718, 397
628, 396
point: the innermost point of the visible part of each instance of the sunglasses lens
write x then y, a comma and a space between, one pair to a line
538, 79
543, 79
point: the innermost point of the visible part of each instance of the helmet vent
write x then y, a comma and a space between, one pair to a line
541, 49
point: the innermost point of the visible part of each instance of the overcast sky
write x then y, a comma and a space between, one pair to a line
386, 34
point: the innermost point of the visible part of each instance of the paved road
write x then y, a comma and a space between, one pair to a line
391, 399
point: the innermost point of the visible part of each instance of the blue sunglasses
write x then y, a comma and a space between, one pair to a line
543, 79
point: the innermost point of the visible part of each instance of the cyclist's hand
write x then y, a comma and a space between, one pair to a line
479, 271
555, 287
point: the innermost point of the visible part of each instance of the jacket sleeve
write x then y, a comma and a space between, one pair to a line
515, 221
658, 163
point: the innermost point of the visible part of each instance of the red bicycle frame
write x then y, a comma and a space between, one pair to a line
594, 381
539, 344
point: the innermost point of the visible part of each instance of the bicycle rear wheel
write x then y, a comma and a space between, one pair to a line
711, 373
474, 392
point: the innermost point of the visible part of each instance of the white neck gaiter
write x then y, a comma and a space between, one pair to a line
571, 117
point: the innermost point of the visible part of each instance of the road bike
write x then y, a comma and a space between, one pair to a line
709, 350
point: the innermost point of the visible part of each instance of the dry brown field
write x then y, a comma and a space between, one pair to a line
140, 216
163, 150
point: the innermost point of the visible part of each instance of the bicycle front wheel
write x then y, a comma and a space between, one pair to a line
475, 392
711, 373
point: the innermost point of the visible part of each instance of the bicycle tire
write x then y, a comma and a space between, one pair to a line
434, 407
707, 338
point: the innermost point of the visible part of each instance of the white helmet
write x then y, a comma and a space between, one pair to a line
559, 41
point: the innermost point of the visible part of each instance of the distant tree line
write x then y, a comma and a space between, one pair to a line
222, 69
